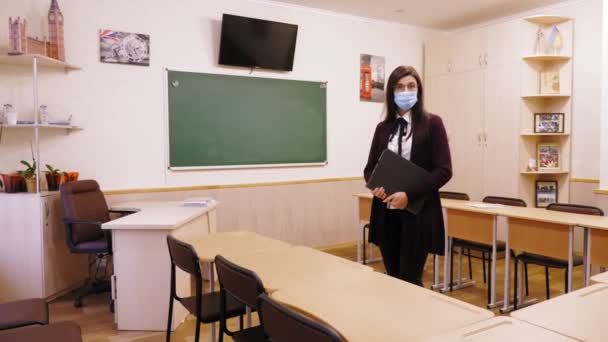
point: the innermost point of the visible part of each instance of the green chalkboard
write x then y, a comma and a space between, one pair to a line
232, 121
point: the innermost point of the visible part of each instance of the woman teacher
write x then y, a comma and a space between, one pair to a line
409, 130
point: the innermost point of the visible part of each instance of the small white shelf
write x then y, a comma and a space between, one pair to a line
529, 134
546, 96
546, 172
547, 19
44, 126
547, 58
43, 61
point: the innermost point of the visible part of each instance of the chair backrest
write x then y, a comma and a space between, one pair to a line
454, 195
183, 256
513, 202
281, 324
83, 200
576, 209
241, 283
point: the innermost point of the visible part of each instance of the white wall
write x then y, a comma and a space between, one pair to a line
121, 107
604, 111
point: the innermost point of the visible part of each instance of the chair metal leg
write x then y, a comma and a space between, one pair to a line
483, 263
515, 285
363, 244
566, 281
526, 277
470, 268
197, 334
168, 338
451, 268
547, 282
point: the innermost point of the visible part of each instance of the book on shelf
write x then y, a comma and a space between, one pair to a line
549, 82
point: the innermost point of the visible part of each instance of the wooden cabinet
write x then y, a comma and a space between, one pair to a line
34, 258
479, 100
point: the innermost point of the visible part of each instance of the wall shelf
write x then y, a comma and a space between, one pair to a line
547, 19
43, 61
546, 96
43, 126
547, 172
547, 58
528, 134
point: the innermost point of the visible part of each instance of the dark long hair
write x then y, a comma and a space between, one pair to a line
419, 115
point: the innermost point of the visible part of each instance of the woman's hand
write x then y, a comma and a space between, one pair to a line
398, 200
379, 192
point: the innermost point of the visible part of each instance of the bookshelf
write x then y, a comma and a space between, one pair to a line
545, 91
37, 63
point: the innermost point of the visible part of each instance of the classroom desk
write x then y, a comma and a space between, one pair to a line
501, 329
580, 314
600, 278
400, 311
527, 229
229, 245
291, 267
141, 279
464, 222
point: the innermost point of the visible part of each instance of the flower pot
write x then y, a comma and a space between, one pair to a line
70, 177
30, 183
13, 183
53, 180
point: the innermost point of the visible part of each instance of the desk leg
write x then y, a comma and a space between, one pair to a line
506, 301
446, 255
492, 283
587, 257
447, 259
436, 283
570, 251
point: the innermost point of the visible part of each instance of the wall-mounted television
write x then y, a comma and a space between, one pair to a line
256, 43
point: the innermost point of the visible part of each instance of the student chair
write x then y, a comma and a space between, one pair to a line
245, 286
549, 262
85, 210
205, 306
54, 332
25, 312
284, 325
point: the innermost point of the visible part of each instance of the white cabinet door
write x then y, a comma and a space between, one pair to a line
467, 50
436, 57
20, 247
501, 161
503, 44
465, 131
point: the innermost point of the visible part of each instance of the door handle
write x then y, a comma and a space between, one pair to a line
485, 58
480, 64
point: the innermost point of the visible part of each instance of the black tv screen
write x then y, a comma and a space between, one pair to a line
257, 43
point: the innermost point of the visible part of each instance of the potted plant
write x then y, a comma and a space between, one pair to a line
53, 177
30, 176
13, 183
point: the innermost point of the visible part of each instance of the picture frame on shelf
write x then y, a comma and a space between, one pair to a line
549, 122
548, 156
545, 193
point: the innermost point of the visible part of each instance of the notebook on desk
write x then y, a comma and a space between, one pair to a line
395, 173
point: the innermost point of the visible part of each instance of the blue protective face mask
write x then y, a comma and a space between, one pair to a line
406, 99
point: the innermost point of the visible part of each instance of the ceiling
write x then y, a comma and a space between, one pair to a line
435, 14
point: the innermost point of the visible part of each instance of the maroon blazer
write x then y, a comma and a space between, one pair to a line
432, 154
